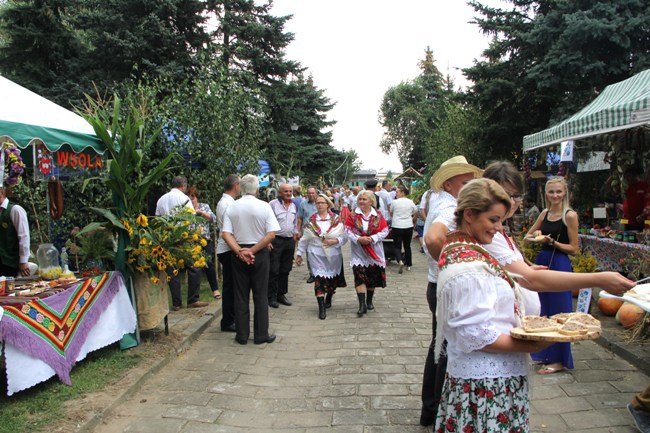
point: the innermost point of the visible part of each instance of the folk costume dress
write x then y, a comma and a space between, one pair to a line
326, 261
368, 261
477, 302
555, 302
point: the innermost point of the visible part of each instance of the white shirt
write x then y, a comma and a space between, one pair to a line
249, 219
402, 211
441, 212
505, 252
286, 217
18, 218
479, 308
225, 201
359, 257
322, 265
171, 200
385, 200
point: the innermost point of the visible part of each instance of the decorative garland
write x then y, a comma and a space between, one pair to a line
13, 166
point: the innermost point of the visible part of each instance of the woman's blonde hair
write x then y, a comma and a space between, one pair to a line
479, 195
565, 201
370, 195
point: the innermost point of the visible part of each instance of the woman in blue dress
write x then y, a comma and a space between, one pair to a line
556, 229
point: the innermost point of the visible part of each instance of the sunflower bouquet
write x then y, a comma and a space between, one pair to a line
165, 243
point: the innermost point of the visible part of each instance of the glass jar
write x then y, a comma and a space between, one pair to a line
48, 262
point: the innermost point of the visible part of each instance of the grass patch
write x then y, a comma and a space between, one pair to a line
37, 408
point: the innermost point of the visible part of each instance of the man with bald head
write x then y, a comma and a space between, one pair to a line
283, 246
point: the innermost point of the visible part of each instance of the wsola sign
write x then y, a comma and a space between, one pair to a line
65, 162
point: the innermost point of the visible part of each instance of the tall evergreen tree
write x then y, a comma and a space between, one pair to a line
38, 48
549, 58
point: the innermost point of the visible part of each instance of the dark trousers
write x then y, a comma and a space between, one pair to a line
211, 270
193, 286
402, 237
253, 277
8, 271
227, 294
434, 374
281, 264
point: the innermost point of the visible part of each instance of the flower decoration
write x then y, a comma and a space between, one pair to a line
165, 243
14, 167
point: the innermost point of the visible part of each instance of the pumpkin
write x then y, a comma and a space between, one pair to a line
608, 306
629, 314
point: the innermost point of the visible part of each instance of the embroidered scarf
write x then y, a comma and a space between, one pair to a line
313, 231
461, 253
376, 224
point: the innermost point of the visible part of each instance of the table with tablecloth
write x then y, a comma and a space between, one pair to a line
47, 336
610, 252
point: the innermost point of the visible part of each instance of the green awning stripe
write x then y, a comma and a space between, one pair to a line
610, 111
25, 135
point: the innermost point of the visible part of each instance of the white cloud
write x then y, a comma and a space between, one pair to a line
358, 49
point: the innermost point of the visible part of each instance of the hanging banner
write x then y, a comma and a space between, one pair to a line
567, 151
66, 163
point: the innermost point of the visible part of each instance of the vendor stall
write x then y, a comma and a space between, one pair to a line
58, 139
46, 335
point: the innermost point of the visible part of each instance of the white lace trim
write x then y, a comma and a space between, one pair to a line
479, 364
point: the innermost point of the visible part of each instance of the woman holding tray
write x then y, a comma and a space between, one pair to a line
486, 386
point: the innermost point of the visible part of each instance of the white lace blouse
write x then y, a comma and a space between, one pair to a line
359, 257
322, 265
505, 253
479, 307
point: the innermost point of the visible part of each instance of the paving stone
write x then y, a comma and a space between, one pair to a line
548, 424
562, 405
331, 391
193, 413
597, 419
185, 397
401, 378
358, 417
144, 425
383, 389
580, 389
395, 402
355, 378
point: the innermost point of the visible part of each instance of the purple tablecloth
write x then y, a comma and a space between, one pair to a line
610, 252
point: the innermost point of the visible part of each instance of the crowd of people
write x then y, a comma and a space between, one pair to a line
479, 283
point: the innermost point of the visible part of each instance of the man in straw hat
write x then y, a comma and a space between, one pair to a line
447, 181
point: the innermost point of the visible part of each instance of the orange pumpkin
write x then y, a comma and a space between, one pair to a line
629, 314
608, 306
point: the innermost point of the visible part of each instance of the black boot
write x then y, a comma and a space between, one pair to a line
362, 304
321, 308
369, 300
328, 300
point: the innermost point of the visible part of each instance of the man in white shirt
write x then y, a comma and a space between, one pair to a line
249, 227
168, 203
447, 181
14, 238
284, 246
224, 255
386, 200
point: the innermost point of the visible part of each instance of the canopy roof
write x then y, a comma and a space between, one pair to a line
620, 106
26, 118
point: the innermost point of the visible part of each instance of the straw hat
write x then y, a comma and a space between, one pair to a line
453, 167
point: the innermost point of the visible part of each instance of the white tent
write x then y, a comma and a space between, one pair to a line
27, 118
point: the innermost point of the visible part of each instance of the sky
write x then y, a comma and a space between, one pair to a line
357, 49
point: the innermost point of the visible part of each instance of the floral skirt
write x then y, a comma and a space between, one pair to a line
488, 405
371, 276
324, 285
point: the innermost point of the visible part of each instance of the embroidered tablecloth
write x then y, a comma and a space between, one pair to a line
610, 252
48, 336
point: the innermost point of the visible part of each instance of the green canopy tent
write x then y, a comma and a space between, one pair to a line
27, 118
620, 106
